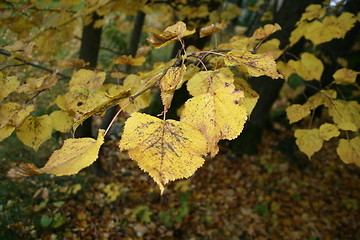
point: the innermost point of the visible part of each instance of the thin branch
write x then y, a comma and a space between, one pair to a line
8, 54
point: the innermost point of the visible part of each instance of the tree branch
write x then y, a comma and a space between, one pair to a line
8, 54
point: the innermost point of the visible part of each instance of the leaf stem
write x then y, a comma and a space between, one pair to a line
116, 115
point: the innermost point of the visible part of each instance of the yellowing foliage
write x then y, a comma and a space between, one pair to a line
7, 85
74, 155
35, 130
349, 150
345, 76
167, 150
308, 141
308, 67
210, 113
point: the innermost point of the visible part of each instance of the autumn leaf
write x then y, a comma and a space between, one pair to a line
6, 131
170, 34
7, 85
13, 114
308, 141
34, 131
218, 115
70, 63
167, 150
313, 11
87, 78
264, 32
271, 47
345, 114
308, 67
329, 28
33, 85
213, 28
62, 121
349, 150
209, 81
129, 60
345, 76
296, 112
328, 131
250, 96
74, 155
324, 97
256, 64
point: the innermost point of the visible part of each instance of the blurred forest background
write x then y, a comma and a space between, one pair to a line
259, 186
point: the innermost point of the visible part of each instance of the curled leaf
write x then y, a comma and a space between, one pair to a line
213, 28
170, 34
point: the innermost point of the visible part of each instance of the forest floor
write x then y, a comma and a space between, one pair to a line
275, 194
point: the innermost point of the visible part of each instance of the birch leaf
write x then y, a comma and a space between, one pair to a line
34, 131
74, 155
167, 150
308, 141
349, 150
256, 64
218, 115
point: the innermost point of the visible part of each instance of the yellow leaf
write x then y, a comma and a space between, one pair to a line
213, 28
328, 131
7, 85
250, 96
172, 77
34, 131
271, 47
6, 131
61, 121
313, 11
308, 141
284, 69
209, 81
308, 67
346, 115
298, 32
13, 114
36, 85
87, 78
345, 76
74, 155
256, 64
129, 60
218, 115
296, 112
264, 32
170, 34
167, 150
349, 150
70, 63
331, 27
324, 97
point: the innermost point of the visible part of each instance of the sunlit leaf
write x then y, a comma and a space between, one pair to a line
167, 150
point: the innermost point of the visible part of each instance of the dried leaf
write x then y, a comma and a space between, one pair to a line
170, 34
167, 150
213, 28
70, 63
